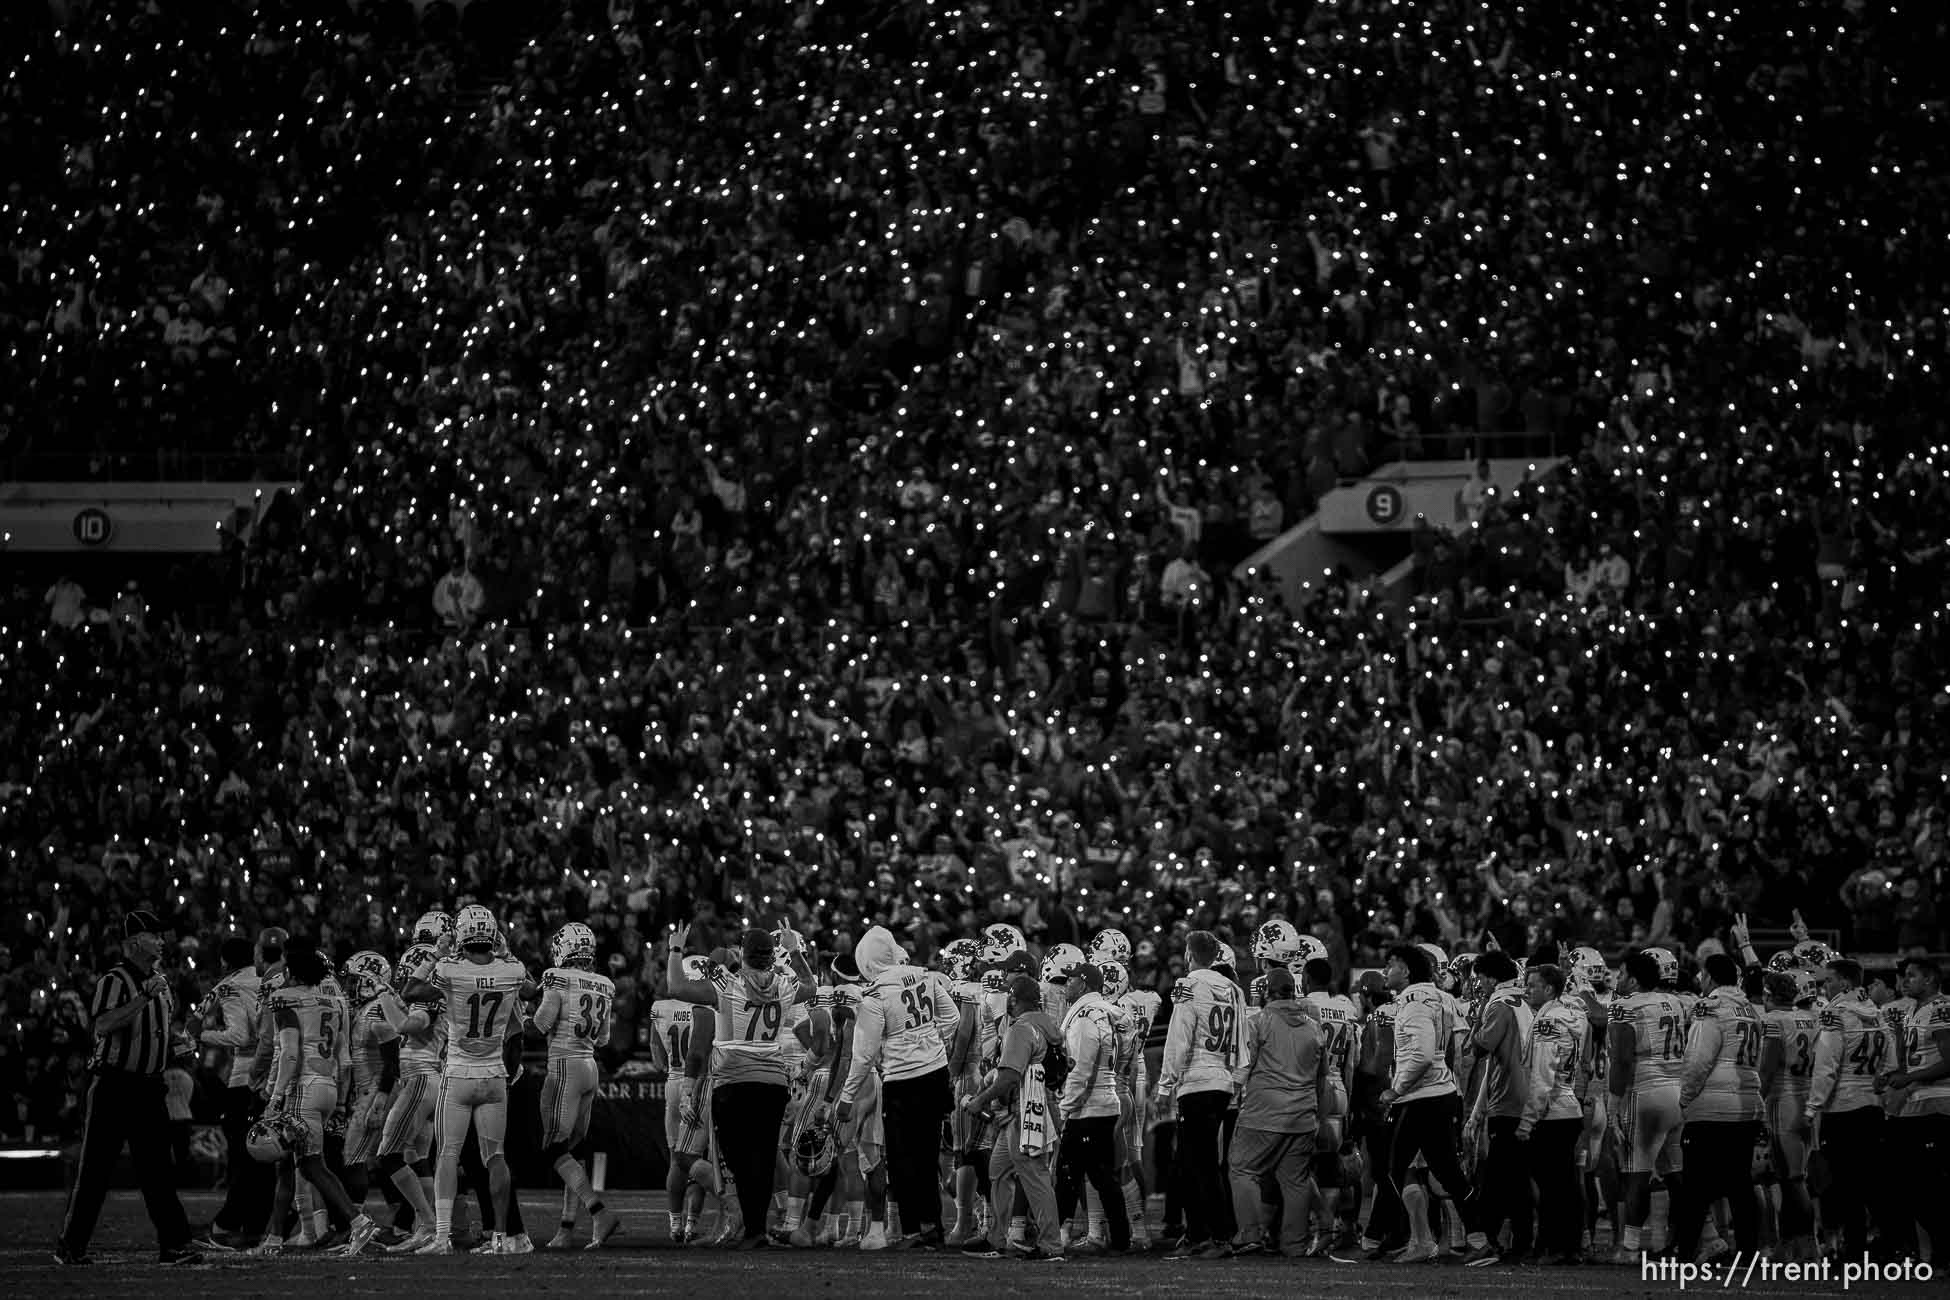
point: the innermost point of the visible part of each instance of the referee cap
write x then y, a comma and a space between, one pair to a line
141, 922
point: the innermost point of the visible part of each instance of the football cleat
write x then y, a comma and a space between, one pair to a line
563, 1239
420, 1237
436, 1246
607, 1225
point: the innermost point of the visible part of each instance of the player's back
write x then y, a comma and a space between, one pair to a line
1795, 1029
481, 998
752, 1019
1730, 1088
1658, 1024
1340, 1028
371, 1031
1931, 1097
670, 1026
582, 1001
321, 1021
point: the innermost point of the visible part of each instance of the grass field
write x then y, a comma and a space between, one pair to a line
641, 1260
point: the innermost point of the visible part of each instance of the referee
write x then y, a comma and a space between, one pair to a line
127, 1102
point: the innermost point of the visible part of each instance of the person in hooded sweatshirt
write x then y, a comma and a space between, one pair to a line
1287, 1095
907, 1019
748, 1066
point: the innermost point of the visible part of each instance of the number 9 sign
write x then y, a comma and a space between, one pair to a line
1385, 504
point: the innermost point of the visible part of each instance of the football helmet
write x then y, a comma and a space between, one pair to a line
475, 925
1109, 945
276, 1136
1276, 941
1256, 992
1117, 980
432, 927
416, 963
1059, 961
574, 942
1588, 970
1668, 964
958, 959
1814, 954
1461, 967
1000, 942
1439, 960
1227, 958
367, 973
1786, 961
1311, 949
815, 1148
1807, 987
697, 968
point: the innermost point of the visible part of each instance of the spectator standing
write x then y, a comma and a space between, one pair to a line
127, 1105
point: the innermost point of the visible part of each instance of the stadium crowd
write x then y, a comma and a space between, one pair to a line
775, 460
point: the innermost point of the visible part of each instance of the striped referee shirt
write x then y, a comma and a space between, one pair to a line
142, 1045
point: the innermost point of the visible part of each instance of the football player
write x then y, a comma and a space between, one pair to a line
482, 991
679, 1032
1092, 1029
1553, 1115
750, 1087
574, 1016
975, 1028
1591, 983
1647, 1049
311, 1023
861, 1135
1340, 1028
406, 1135
1842, 1109
1720, 1101
368, 983
906, 1021
1199, 1074
1136, 1011
1790, 1026
1921, 1130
